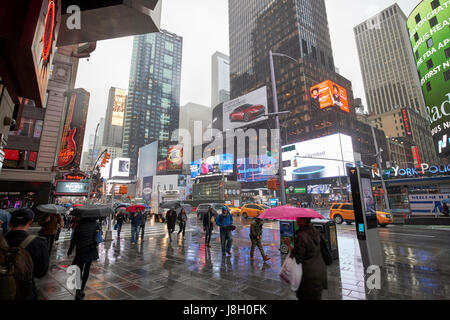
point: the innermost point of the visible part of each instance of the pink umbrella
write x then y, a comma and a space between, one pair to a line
289, 213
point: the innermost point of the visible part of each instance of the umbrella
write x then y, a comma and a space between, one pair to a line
92, 212
78, 205
135, 208
122, 205
171, 205
67, 205
446, 201
51, 208
289, 213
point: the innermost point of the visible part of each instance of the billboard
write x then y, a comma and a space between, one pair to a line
406, 122
329, 94
212, 166
427, 204
147, 160
428, 26
318, 158
147, 188
261, 169
118, 112
175, 158
73, 133
248, 109
71, 187
319, 189
120, 167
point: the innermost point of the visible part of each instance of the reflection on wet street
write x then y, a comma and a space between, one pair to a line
417, 266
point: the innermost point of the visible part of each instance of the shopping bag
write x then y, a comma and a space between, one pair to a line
292, 272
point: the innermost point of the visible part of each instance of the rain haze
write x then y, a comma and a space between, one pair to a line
203, 24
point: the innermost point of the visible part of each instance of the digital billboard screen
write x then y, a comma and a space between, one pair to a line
120, 167
319, 189
211, 166
120, 98
71, 187
320, 158
329, 94
245, 110
260, 169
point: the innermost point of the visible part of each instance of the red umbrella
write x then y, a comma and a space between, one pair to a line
78, 205
289, 213
135, 208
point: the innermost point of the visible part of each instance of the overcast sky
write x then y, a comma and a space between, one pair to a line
203, 24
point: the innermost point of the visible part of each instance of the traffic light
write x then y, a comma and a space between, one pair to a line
105, 160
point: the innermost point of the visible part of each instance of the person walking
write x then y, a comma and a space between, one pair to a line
208, 225
85, 244
50, 224
256, 230
5, 217
136, 222
36, 247
171, 219
182, 220
307, 251
120, 219
225, 222
144, 220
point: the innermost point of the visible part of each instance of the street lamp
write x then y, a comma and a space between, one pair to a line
277, 121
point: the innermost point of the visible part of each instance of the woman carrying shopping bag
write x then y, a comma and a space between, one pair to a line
307, 251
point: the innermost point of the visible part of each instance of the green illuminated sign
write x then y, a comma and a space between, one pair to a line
428, 27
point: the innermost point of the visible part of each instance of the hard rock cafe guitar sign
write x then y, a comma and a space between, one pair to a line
68, 145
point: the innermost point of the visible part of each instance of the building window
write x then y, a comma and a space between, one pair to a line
417, 54
447, 75
305, 47
418, 18
433, 22
416, 36
428, 86
430, 42
430, 64
435, 4
447, 53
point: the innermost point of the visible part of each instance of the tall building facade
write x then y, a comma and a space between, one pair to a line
220, 78
389, 73
153, 103
114, 118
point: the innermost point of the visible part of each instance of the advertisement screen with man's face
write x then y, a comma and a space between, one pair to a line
329, 94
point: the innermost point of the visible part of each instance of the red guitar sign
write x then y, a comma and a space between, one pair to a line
68, 144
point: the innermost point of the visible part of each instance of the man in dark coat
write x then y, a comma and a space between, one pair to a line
171, 218
208, 225
50, 224
20, 223
136, 222
256, 230
307, 252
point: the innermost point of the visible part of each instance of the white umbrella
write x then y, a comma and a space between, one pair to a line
51, 208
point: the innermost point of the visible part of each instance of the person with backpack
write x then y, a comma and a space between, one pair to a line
136, 222
256, 230
50, 224
84, 242
29, 256
171, 219
208, 225
225, 222
182, 220
308, 251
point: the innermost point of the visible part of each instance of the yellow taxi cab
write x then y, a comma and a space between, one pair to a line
252, 210
341, 212
233, 209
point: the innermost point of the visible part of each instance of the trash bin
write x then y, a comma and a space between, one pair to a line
326, 227
328, 230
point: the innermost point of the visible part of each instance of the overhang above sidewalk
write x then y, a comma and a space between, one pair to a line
108, 19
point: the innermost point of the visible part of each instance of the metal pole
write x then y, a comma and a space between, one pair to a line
380, 166
277, 127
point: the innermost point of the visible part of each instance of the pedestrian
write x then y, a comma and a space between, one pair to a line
5, 217
445, 210
50, 224
144, 220
225, 222
208, 225
85, 244
171, 219
32, 256
182, 220
256, 230
120, 218
307, 251
136, 222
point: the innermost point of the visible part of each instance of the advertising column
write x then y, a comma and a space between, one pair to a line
428, 27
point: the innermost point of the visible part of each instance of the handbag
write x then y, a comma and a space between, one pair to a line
326, 254
292, 272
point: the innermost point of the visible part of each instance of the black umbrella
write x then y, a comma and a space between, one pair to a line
92, 212
122, 205
171, 205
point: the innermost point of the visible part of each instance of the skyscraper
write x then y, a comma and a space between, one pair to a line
153, 103
390, 78
115, 112
220, 78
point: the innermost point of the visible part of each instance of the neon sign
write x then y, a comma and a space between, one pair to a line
406, 121
413, 172
47, 38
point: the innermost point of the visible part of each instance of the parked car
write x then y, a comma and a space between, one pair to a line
341, 212
252, 210
247, 112
204, 207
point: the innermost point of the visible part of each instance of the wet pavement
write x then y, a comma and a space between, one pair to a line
417, 266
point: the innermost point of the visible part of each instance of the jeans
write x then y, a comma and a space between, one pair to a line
257, 243
182, 226
170, 230
119, 228
142, 231
134, 233
226, 240
208, 235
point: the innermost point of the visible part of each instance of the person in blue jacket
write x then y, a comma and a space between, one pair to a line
225, 222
